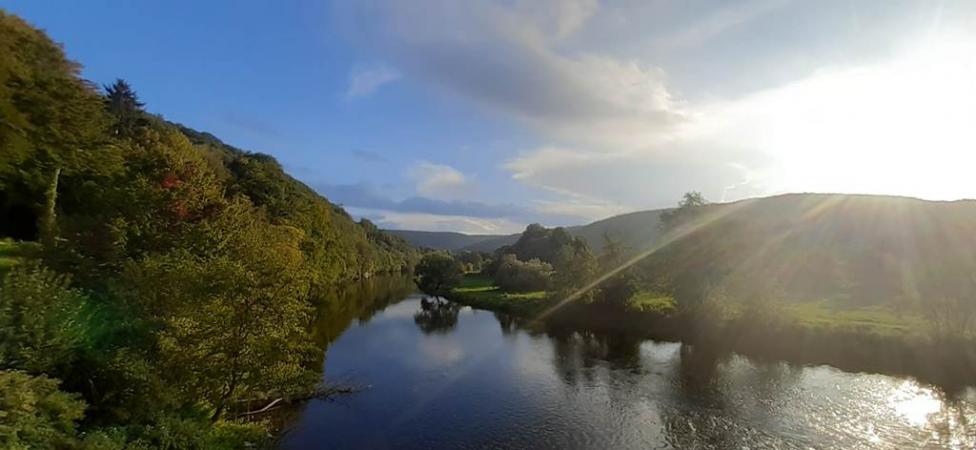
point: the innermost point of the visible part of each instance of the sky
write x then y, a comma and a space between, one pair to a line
483, 116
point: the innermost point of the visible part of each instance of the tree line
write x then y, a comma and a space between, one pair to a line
173, 275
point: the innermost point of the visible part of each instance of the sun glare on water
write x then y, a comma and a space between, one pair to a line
915, 403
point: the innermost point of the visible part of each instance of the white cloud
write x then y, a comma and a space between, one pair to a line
602, 184
440, 181
722, 19
584, 210
509, 58
901, 127
365, 81
613, 134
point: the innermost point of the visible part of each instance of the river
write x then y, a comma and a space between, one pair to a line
442, 376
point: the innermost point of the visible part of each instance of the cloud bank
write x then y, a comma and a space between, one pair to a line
857, 99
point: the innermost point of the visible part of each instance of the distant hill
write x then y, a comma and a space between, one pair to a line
635, 231
493, 243
449, 240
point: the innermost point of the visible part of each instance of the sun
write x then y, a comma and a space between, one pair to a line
903, 127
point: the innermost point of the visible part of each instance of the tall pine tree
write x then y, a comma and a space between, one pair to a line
123, 103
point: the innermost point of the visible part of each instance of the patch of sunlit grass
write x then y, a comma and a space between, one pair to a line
480, 292
650, 302
874, 319
475, 283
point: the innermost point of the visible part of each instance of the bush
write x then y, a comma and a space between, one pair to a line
179, 433
35, 414
41, 320
519, 276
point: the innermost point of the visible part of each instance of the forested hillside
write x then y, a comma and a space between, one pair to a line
445, 240
158, 282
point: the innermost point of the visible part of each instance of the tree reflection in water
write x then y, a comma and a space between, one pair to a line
578, 354
436, 315
507, 322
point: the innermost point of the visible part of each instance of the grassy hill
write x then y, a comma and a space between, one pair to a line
636, 231
861, 249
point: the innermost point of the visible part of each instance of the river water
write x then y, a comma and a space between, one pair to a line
441, 376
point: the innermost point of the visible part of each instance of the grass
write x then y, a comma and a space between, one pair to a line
873, 319
480, 292
650, 302
822, 316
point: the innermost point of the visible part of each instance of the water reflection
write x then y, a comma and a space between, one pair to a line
337, 307
442, 376
436, 315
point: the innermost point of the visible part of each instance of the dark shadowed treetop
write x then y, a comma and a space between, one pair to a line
123, 104
437, 273
689, 204
545, 244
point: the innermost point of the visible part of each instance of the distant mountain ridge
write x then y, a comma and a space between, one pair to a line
449, 240
635, 231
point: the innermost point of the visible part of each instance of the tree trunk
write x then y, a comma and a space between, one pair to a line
220, 406
49, 216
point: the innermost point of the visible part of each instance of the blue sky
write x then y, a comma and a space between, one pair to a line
482, 116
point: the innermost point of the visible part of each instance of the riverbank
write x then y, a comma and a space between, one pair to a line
867, 339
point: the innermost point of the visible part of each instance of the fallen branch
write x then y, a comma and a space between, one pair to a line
321, 393
262, 410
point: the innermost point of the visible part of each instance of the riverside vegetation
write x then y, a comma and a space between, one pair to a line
157, 283
862, 283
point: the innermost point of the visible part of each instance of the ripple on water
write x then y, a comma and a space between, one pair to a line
479, 384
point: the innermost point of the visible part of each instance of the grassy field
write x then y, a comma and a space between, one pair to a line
873, 319
649, 302
479, 291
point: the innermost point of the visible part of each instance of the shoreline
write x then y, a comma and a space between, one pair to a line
948, 364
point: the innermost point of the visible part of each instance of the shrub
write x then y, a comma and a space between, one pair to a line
41, 320
522, 276
35, 414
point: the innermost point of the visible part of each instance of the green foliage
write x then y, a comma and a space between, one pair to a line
575, 267
472, 260
178, 433
49, 119
570, 258
518, 276
35, 414
232, 321
192, 263
437, 273
481, 292
544, 244
14, 253
124, 105
650, 302
42, 326
690, 204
